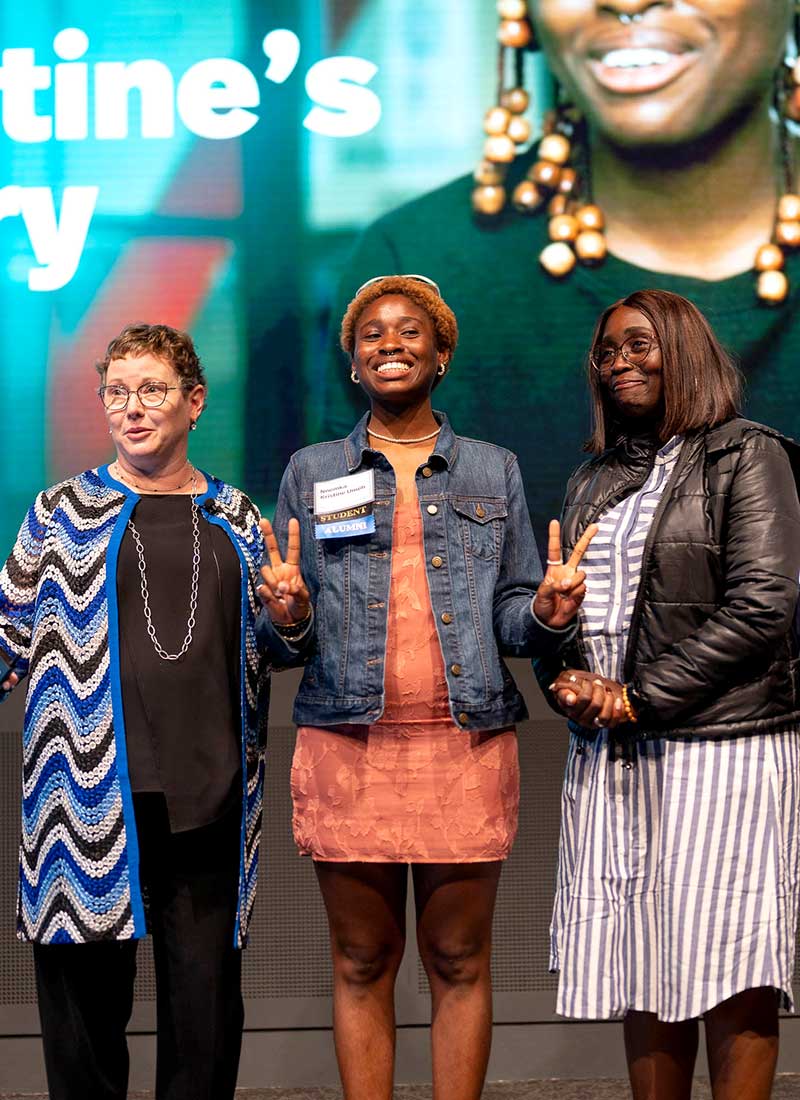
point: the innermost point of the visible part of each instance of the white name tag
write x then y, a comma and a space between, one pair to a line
343, 506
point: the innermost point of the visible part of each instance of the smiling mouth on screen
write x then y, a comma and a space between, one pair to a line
633, 70
395, 369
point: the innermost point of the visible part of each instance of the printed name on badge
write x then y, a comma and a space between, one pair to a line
343, 506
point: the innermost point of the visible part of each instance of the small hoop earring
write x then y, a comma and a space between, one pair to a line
353, 375
193, 425
442, 371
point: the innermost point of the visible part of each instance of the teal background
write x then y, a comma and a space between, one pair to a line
237, 240
248, 243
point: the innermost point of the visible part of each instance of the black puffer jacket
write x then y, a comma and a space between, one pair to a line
713, 646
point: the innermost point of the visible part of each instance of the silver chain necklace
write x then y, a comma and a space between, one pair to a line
151, 630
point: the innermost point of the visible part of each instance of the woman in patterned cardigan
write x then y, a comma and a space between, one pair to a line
130, 603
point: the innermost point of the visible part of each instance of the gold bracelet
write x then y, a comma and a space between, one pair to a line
290, 632
629, 711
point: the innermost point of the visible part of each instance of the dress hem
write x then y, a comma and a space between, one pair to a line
786, 1005
408, 862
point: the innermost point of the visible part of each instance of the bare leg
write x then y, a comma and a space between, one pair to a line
661, 1056
742, 1044
366, 914
455, 906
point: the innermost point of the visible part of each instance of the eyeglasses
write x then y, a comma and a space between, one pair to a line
417, 278
150, 394
634, 350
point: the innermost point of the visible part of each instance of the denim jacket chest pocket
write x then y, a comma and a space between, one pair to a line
481, 523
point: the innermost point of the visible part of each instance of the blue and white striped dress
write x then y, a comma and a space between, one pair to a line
678, 877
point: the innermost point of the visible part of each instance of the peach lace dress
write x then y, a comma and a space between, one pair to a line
413, 787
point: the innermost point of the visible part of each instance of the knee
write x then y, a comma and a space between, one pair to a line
455, 962
365, 964
751, 1015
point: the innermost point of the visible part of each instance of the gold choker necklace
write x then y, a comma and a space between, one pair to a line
391, 439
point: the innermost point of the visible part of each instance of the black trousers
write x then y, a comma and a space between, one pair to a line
85, 991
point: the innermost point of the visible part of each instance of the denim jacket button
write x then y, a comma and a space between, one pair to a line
432, 509
427, 471
437, 562
463, 718
455, 669
447, 618
480, 511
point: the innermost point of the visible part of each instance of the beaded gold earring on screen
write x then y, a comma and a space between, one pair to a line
560, 178
773, 285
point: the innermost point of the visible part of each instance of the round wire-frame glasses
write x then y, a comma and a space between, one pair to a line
634, 350
150, 394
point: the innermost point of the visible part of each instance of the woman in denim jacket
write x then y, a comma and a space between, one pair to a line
417, 550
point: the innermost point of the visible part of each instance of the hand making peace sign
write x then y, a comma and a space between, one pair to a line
562, 590
283, 592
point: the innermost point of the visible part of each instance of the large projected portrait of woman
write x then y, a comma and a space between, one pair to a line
666, 162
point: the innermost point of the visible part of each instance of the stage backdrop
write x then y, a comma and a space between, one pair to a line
211, 166
205, 165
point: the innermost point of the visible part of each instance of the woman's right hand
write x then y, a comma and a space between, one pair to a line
11, 682
283, 592
561, 592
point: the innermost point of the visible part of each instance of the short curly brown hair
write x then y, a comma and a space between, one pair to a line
445, 326
169, 344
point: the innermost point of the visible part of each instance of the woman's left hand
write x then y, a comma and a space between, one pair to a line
589, 699
283, 591
10, 683
562, 590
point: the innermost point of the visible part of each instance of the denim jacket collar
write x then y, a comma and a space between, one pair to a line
356, 445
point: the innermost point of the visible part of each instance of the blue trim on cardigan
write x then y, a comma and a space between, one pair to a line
211, 493
244, 571
132, 839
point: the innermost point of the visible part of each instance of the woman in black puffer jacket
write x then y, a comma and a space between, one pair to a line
678, 872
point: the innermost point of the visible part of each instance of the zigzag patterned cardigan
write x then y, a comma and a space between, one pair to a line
79, 855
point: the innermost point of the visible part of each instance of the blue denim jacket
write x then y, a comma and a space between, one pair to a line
482, 567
